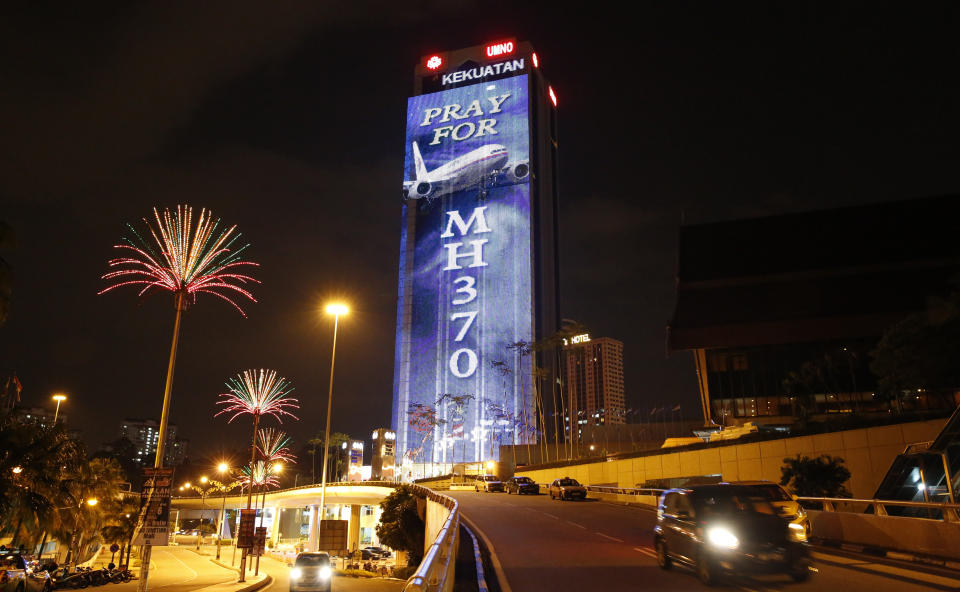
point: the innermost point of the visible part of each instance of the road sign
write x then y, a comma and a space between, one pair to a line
154, 519
114, 548
332, 536
248, 519
259, 540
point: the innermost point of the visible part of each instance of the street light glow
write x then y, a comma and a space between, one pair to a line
59, 397
203, 479
277, 468
223, 467
187, 485
337, 309
92, 501
17, 470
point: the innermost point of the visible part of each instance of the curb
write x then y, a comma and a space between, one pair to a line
497, 566
478, 559
891, 558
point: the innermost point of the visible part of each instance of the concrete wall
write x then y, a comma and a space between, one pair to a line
907, 535
434, 517
867, 453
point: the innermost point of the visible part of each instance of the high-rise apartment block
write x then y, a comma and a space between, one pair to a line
594, 370
144, 434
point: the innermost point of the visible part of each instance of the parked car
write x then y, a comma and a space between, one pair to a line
20, 573
567, 489
488, 483
786, 504
311, 572
723, 528
520, 485
379, 551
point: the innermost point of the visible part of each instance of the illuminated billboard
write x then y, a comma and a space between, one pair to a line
463, 383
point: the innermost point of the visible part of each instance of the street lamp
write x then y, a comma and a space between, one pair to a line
59, 398
222, 468
17, 470
93, 501
335, 309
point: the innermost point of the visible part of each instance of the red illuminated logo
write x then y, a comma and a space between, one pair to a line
536, 62
499, 49
434, 62
553, 95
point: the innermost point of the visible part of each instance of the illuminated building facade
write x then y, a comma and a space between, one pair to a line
478, 268
594, 379
383, 464
143, 433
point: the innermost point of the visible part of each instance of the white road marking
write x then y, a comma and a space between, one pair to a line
577, 525
195, 574
551, 515
606, 536
645, 551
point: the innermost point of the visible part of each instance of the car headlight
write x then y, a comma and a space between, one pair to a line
325, 572
722, 538
797, 532
295, 573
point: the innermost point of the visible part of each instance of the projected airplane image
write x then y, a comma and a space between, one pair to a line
487, 166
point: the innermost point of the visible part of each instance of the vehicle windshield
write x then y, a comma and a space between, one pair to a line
719, 503
774, 492
490, 478
524, 480
568, 482
313, 560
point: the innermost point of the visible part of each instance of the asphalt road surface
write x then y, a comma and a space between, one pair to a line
178, 569
281, 581
592, 545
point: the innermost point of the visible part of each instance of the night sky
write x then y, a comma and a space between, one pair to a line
287, 119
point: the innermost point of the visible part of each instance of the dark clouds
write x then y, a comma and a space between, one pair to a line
287, 120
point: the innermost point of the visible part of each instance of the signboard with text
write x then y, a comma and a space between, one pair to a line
332, 536
248, 519
259, 540
154, 519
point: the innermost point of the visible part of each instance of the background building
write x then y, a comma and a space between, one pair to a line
782, 313
38, 416
143, 433
478, 270
384, 449
594, 370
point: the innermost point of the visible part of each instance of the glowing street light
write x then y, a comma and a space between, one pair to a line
203, 479
92, 501
59, 398
223, 468
336, 309
17, 470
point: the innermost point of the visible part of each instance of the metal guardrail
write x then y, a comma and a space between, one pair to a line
943, 512
435, 572
393, 484
948, 512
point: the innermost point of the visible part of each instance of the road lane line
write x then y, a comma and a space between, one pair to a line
551, 515
577, 525
606, 536
646, 552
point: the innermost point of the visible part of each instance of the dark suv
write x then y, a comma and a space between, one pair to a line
727, 528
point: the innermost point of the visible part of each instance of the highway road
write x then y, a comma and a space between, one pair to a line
179, 569
592, 545
281, 581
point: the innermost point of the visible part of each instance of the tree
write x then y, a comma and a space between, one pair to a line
400, 524
920, 351
823, 476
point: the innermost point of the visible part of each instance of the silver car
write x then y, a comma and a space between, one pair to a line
21, 574
311, 572
567, 489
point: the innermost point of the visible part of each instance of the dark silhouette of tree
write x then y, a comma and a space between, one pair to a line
920, 352
822, 476
400, 524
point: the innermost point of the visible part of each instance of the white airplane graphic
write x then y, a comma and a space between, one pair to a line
487, 166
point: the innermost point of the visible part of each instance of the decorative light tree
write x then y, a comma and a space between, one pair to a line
257, 393
187, 260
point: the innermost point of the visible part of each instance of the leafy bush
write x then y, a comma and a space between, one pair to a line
400, 525
823, 476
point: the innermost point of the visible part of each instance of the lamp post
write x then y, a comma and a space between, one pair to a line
59, 398
336, 310
222, 468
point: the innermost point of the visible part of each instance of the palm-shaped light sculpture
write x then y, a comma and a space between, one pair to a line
174, 255
274, 446
257, 393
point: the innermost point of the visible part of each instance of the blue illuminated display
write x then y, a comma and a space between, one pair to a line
463, 382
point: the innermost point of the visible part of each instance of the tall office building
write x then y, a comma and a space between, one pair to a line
594, 369
144, 434
478, 244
